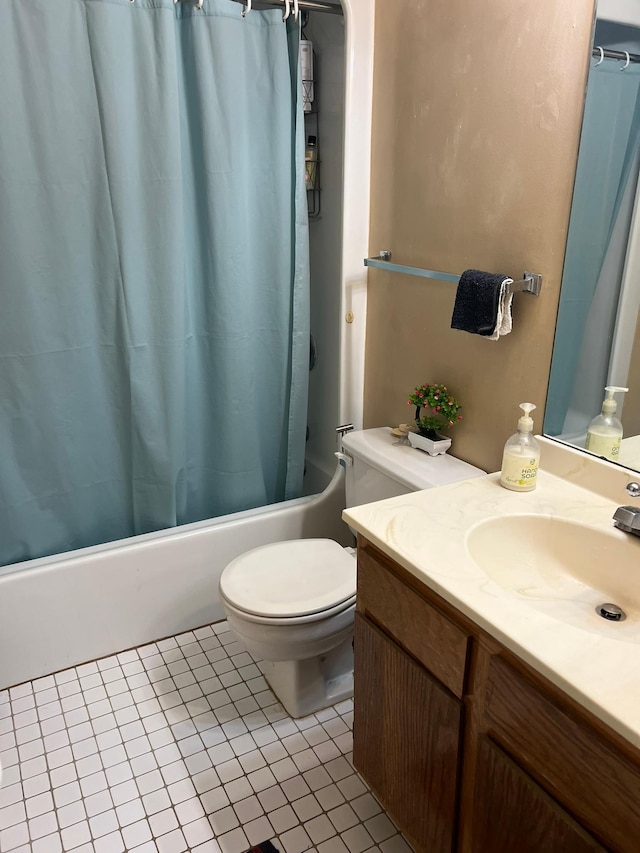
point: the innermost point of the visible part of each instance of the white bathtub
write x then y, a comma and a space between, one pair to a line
60, 611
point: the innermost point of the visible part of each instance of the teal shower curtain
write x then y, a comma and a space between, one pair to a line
154, 330
607, 161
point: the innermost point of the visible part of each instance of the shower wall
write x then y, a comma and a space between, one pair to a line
327, 32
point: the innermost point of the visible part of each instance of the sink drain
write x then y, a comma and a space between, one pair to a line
611, 612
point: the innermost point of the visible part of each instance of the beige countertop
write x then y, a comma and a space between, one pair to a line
426, 532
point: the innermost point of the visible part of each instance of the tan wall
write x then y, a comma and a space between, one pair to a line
477, 112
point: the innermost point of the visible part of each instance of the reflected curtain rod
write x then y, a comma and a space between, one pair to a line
615, 54
307, 5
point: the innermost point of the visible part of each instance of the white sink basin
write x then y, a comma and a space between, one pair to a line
565, 569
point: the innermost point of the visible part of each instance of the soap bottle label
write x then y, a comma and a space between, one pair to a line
604, 445
519, 472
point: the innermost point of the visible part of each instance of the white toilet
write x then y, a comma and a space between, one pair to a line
292, 603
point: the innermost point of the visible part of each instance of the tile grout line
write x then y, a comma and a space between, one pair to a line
292, 752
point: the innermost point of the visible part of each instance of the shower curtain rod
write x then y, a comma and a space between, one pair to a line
615, 54
308, 5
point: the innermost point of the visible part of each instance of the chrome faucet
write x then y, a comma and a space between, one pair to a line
627, 518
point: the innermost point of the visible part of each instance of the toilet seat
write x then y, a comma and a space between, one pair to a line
291, 582
286, 621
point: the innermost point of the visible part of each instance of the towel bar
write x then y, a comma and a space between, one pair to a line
530, 283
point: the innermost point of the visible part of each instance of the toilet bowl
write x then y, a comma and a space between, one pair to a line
292, 603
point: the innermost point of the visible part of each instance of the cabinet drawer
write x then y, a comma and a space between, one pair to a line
593, 779
412, 621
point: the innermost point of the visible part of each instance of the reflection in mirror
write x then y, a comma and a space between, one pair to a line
597, 340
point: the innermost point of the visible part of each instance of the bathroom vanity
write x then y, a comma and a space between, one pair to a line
483, 723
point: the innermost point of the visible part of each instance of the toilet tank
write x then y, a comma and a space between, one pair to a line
381, 468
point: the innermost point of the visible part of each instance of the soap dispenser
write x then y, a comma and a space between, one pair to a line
521, 455
604, 434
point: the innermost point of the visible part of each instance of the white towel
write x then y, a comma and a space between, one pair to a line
504, 321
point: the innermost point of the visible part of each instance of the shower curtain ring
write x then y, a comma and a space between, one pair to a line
601, 60
626, 65
287, 6
199, 5
246, 9
296, 11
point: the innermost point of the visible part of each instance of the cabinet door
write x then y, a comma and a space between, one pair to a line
407, 730
512, 814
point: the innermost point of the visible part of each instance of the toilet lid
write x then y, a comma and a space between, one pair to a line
288, 579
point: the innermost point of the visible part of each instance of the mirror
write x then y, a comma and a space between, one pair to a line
597, 341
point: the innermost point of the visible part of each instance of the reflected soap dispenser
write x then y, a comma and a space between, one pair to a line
521, 456
604, 434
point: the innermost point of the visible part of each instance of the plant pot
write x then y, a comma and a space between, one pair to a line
433, 448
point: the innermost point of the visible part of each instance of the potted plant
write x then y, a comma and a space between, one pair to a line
436, 410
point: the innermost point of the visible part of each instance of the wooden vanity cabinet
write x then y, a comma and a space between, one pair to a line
512, 813
469, 749
408, 749
409, 755
576, 759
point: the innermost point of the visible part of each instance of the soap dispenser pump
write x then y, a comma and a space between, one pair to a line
604, 433
521, 455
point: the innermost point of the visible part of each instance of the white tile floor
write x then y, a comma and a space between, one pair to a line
177, 746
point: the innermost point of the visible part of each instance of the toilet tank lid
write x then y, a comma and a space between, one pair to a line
293, 578
413, 468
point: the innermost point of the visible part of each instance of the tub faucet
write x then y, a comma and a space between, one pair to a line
627, 518
342, 430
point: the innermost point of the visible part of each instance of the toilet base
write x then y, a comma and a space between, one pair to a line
306, 686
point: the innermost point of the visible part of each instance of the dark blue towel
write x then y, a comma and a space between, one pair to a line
477, 299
